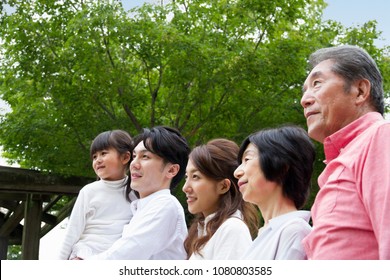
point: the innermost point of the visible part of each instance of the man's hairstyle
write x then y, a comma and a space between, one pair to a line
353, 63
170, 145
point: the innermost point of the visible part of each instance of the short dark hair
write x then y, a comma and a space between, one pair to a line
118, 139
353, 63
168, 143
286, 156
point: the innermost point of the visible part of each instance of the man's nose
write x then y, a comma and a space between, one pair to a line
307, 99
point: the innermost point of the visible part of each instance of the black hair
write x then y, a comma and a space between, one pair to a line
286, 156
170, 145
121, 141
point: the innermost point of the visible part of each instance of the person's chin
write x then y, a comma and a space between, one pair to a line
134, 187
246, 197
315, 133
192, 210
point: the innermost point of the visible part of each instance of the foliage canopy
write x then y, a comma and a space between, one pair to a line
72, 69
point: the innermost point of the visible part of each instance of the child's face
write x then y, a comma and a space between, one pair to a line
109, 164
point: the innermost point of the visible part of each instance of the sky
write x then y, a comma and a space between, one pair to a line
348, 12
357, 12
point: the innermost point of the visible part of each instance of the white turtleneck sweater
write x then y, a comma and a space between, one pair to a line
97, 219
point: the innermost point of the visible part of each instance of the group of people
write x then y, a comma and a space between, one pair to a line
247, 201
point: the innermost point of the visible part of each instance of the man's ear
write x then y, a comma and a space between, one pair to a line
364, 91
173, 169
223, 186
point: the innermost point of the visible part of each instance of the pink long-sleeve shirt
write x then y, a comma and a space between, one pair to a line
351, 213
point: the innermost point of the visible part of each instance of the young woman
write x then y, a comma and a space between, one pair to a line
274, 173
102, 208
223, 223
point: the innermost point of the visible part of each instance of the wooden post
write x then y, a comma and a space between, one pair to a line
3, 242
22, 193
3, 248
32, 227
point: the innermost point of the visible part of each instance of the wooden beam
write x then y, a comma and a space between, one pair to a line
52, 202
32, 228
7, 196
14, 220
3, 242
3, 248
22, 193
16, 236
63, 213
10, 204
16, 188
18, 180
49, 219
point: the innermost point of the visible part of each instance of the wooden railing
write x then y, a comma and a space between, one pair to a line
30, 196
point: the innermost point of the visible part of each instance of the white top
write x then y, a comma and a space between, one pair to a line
282, 238
156, 231
229, 242
97, 219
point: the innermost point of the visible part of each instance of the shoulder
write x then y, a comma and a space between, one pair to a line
375, 138
234, 225
375, 128
382, 128
163, 197
296, 227
234, 232
164, 202
233, 222
90, 188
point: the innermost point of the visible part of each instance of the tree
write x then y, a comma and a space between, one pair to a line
72, 69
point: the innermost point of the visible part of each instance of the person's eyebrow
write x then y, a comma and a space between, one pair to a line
135, 152
248, 152
312, 76
192, 170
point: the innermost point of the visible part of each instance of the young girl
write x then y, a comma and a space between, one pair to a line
224, 222
275, 172
102, 208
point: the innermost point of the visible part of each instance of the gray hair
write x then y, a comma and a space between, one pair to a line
353, 63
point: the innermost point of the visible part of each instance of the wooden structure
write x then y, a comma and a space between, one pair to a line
29, 196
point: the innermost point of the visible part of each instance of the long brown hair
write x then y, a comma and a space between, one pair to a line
217, 160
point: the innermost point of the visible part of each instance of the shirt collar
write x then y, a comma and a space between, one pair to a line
278, 221
334, 143
202, 227
140, 203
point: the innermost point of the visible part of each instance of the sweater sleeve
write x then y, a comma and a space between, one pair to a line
75, 226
